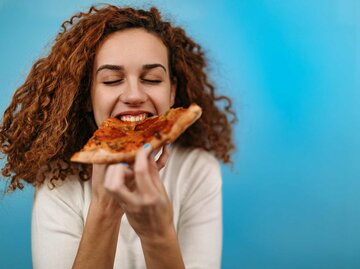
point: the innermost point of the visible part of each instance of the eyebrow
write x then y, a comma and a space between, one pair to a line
120, 67
110, 67
151, 66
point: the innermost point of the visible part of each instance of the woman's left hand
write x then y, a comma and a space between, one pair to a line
142, 195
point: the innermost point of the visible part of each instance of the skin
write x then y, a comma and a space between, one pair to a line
130, 76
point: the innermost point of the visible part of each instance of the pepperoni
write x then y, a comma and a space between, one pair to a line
157, 128
109, 133
146, 124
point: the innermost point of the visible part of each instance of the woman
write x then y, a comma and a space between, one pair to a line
160, 212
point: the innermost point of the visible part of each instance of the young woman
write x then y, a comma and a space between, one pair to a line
160, 212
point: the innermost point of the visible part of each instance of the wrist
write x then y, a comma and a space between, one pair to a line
164, 238
105, 208
155, 247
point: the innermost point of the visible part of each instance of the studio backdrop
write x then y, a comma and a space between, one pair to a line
291, 199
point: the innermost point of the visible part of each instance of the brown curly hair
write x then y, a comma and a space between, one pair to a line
48, 120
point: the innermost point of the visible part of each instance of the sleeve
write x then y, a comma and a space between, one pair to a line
57, 225
200, 221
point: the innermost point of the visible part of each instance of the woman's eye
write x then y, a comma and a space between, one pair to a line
112, 82
152, 81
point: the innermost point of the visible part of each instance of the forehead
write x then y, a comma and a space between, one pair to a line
131, 46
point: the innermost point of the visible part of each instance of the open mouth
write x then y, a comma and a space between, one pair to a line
134, 118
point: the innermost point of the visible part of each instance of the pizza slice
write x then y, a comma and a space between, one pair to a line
118, 141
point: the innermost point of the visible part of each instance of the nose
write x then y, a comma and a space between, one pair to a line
133, 94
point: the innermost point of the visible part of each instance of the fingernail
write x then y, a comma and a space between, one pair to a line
147, 145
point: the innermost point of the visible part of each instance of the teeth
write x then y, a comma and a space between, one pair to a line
133, 118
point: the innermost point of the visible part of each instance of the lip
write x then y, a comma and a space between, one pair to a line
133, 113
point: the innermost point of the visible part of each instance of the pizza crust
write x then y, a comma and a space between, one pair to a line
102, 156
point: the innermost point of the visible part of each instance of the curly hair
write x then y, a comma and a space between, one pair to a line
48, 120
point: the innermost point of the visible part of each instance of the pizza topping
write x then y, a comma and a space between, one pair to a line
110, 133
157, 135
163, 126
146, 124
120, 137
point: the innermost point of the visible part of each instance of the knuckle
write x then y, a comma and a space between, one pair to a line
136, 204
150, 200
140, 171
115, 187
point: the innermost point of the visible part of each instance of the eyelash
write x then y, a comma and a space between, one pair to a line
118, 81
152, 81
111, 82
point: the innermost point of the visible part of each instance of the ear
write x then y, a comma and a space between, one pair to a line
172, 94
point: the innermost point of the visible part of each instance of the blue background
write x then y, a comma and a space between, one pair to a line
292, 198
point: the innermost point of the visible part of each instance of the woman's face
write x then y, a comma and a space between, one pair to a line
130, 78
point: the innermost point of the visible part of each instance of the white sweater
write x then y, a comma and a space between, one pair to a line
192, 179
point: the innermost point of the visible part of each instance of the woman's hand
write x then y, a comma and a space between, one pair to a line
141, 194
100, 196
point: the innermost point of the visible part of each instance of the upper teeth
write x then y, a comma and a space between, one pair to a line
132, 118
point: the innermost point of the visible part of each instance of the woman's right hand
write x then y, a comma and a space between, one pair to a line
107, 199
141, 193
100, 196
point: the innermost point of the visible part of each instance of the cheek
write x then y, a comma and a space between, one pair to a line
163, 102
101, 105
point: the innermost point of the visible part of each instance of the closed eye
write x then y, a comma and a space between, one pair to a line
152, 81
113, 82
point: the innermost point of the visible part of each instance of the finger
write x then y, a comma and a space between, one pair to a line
114, 177
129, 177
142, 170
130, 165
115, 184
155, 176
97, 177
130, 181
128, 170
98, 171
160, 163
